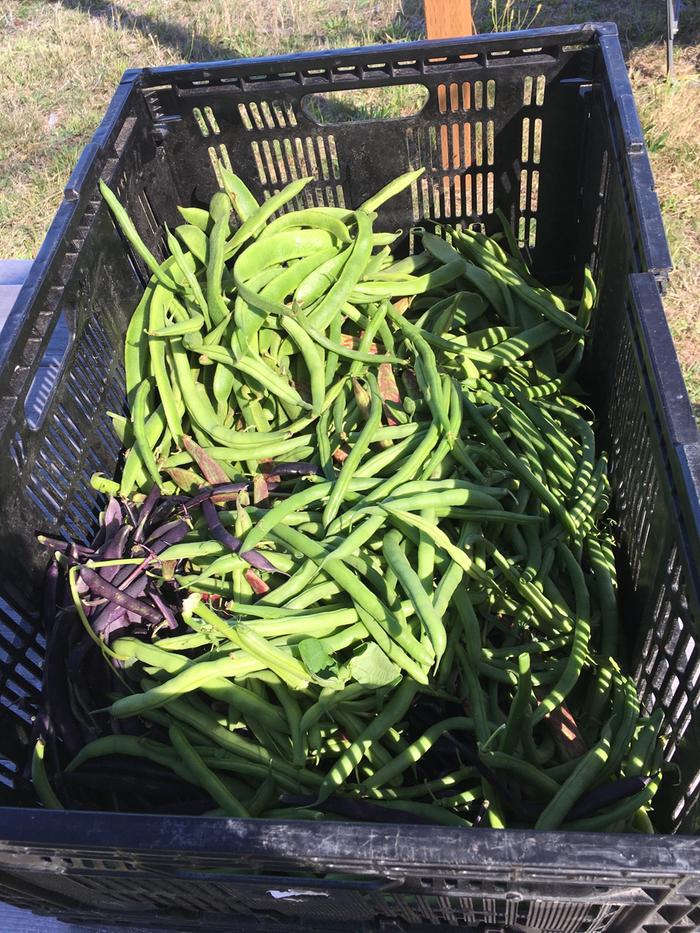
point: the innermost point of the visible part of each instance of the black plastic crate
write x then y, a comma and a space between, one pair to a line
540, 123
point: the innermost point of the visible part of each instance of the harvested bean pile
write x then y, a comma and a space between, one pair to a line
356, 564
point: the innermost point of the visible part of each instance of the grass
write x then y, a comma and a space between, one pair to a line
60, 62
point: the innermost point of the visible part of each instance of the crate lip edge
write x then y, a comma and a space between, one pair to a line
389, 846
588, 31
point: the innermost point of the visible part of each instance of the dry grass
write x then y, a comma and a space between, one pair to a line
60, 62
671, 118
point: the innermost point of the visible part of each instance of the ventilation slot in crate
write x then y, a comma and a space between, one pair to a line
488, 912
530, 156
206, 121
218, 156
71, 450
602, 193
458, 154
632, 465
280, 162
264, 114
20, 681
668, 674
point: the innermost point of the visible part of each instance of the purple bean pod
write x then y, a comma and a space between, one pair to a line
113, 518
163, 529
219, 533
221, 492
166, 611
104, 619
55, 687
65, 547
606, 795
361, 810
149, 504
113, 550
102, 588
135, 589
293, 469
49, 597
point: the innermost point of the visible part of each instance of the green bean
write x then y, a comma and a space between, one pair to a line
218, 688
519, 707
280, 247
579, 647
426, 556
132, 747
314, 594
265, 796
130, 232
157, 353
286, 667
209, 781
414, 752
320, 278
643, 747
220, 209
312, 715
514, 463
314, 493
313, 359
220, 735
334, 299
374, 359
133, 463
394, 639
393, 711
359, 448
45, 793
364, 531
584, 774
382, 461
242, 200
391, 190
187, 268
197, 217
269, 379
195, 240
191, 678
190, 326
414, 590
523, 770
140, 434
317, 218
255, 222
627, 703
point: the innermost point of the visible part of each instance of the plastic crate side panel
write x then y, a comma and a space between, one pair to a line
645, 213
46, 472
561, 906
170, 867
657, 576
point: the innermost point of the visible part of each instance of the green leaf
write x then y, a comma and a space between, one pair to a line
322, 667
372, 668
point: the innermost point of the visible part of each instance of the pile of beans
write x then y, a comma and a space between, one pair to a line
357, 563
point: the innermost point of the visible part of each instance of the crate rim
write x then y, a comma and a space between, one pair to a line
443, 848
587, 31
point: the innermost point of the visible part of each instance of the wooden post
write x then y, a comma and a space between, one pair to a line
447, 18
